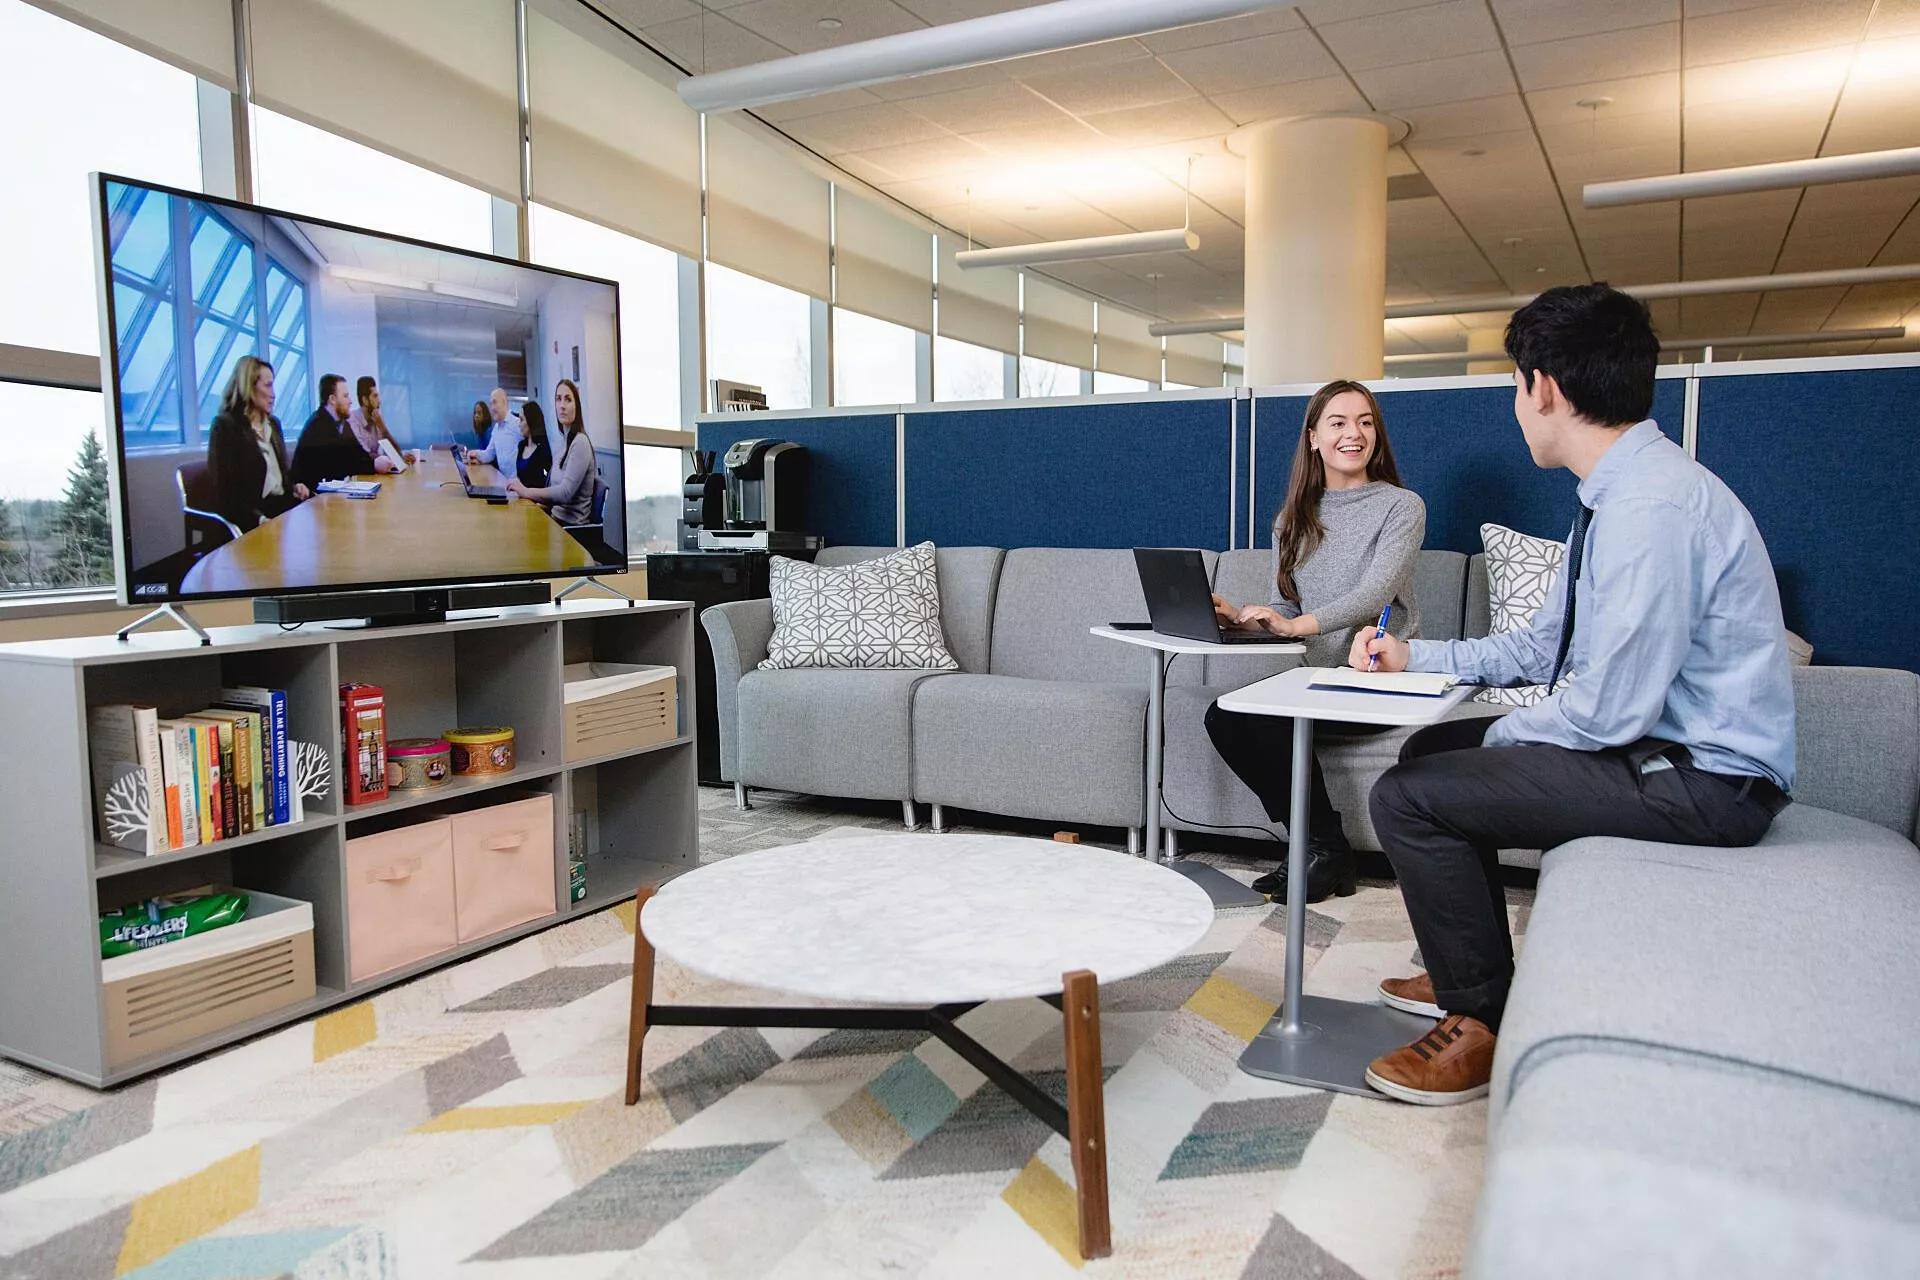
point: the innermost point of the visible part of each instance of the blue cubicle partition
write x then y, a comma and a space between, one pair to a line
852, 497
1827, 463
1149, 470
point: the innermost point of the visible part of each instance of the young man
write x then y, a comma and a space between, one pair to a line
1677, 725
327, 448
368, 426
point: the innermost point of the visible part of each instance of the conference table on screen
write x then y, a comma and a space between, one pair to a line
420, 526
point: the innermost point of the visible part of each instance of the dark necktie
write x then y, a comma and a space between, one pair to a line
1576, 552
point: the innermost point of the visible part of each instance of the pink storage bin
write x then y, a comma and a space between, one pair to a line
503, 867
399, 897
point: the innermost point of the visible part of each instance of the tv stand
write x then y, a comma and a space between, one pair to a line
174, 612
582, 584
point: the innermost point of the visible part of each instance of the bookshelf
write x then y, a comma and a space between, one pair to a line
640, 807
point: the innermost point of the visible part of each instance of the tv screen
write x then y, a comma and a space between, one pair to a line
301, 406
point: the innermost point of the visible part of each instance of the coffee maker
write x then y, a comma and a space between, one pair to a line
703, 499
765, 500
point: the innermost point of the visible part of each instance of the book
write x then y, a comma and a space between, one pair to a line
124, 738
185, 774
363, 723
351, 488
170, 773
217, 754
275, 776
248, 769
1406, 684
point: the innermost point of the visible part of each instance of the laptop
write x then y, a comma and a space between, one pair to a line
491, 492
1180, 599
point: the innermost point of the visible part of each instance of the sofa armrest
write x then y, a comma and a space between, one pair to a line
738, 631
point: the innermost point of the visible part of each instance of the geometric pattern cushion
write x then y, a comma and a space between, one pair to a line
879, 614
1520, 574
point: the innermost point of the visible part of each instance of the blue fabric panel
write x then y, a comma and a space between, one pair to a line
1838, 522
1276, 430
1242, 449
1670, 408
1140, 473
850, 494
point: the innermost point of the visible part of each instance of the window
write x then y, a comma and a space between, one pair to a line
873, 361
77, 102
649, 279
221, 263
1177, 386
1105, 383
654, 476
287, 343
1045, 378
54, 528
309, 171
760, 334
963, 371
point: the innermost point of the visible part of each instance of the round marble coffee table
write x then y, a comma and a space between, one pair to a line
917, 931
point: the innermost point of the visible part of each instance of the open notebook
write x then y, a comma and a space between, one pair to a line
1412, 684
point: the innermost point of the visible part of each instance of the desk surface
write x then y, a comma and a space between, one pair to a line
1291, 694
1184, 644
422, 526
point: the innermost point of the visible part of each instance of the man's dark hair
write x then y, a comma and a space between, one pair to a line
1597, 343
363, 387
328, 381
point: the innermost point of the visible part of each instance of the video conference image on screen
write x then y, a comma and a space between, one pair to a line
307, 407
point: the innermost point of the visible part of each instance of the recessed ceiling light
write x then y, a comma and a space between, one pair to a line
1593, 104
829, 24
1539, 271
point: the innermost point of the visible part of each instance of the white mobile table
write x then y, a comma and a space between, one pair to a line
917, 935
1222, 888
1315, 1040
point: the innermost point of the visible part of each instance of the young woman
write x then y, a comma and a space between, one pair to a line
482, 423
568, 497
535, 460
1344, 547
246, 452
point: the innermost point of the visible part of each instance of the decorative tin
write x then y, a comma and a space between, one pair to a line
481, 749
414, 764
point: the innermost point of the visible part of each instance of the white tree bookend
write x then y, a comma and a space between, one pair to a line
127, 806
312, 770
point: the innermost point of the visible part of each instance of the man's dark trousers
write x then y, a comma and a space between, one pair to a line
1447, 809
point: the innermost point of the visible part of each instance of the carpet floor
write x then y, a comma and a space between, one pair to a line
469, 1124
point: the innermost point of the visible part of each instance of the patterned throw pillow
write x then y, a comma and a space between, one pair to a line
879, 614
1520, 573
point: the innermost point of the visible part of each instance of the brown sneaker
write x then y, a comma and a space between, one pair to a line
1451, 1063
1411, 995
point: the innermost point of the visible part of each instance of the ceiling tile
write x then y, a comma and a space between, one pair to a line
1226, 31
1821, 71
1417, 35
1616, 164
926, 159
1535, 21
1304, 97
1756, 131
1138, 82
1318, 12
1002, 106
1399, 163
939, 82
945, 11
1882, 99
926, 193
1246, 64
1034, 146
1421, 84
1775, 29
1075, 59
800, 108
1610, 55
1632, 95
649, 13
862, 129
794, 24
867, 170
1895, 18
1467, 119
711, 43
1614, 133
1166, 122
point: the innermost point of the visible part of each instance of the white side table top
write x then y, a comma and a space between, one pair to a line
1291, 694
1182, 644
925, 920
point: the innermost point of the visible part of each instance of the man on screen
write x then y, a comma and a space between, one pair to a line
369, 425
503, 438
327, 449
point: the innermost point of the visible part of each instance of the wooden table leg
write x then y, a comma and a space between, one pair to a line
1086, 1110
642, 994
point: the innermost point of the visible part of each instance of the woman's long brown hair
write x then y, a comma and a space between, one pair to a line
1297, 529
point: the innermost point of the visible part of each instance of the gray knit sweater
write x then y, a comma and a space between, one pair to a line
1366, 559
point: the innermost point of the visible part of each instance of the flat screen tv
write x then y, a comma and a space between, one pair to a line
299, 406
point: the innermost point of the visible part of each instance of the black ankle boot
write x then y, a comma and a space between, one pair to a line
1331, 869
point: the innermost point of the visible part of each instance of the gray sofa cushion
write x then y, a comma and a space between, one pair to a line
1060, 750
1050, 596
828, 731
968, 577
1857, 748
1241, 576
1476, 618
1613, 1165
1439, 592
1795, 955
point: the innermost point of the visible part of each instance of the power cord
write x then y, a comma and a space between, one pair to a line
1168, 660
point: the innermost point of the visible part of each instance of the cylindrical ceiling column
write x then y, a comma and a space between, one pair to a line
1316, 278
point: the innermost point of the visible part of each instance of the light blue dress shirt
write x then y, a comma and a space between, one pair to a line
503, 447
1677, 631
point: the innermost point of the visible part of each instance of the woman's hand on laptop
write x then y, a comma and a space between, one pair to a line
1225, 612
1258, 617
1391, 650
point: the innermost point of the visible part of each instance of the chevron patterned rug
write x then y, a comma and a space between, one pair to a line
469, 1124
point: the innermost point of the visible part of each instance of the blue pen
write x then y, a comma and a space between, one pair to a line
1373, 659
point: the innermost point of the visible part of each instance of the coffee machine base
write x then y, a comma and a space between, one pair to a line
775, 540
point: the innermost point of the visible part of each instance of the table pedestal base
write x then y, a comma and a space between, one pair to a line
1221, 887
1336, 1041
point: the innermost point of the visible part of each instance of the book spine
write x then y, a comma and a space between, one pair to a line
189, 786
170, 770
243, 772
229, 798
282, 780
146, 723
216, 797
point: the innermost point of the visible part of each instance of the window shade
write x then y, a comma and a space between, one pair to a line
981, 306
1059, 324
1194, 359
766, 214
434, 82
1126, 346
611, 142
883, 264
194, 35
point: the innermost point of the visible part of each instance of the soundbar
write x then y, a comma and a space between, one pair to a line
400, 606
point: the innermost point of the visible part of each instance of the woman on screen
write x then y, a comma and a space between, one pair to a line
535, 461
482, 423
569, 496
246, 453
